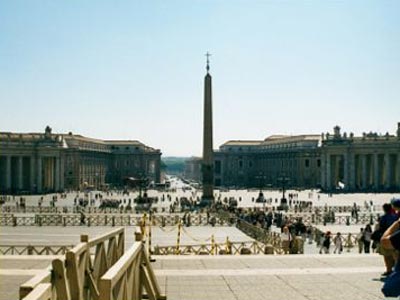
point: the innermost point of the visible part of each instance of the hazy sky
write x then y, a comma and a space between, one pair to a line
135, 69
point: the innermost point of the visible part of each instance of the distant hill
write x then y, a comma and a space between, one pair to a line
173, 165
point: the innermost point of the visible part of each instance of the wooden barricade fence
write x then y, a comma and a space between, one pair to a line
130, 276
33, 289
114, 210
34, 249
79, 274
98, 219
350, 240
272, 239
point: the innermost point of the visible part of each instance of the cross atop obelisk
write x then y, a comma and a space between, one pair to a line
208, 61
208, 154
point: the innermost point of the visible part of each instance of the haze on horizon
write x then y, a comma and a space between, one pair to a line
135, 69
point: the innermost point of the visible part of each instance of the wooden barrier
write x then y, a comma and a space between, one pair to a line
350, 240
43, 291
129, 277
34, 249
79, 275
29, 286
269, 238
92, 219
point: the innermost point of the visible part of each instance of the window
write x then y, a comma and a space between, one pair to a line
318, 163
307, 163
240, 164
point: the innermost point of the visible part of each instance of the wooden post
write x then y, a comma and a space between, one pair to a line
138, 236
60, 280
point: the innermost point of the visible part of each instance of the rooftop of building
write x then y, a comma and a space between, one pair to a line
277, 139
71, 140
241, 143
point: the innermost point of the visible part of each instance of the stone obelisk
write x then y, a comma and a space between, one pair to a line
208, 157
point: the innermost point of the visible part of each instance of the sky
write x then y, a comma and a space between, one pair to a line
135, 69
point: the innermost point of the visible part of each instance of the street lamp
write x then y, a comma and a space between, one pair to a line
261, 198
283, 180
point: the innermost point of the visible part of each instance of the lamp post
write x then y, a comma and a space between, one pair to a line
261, 198
283, 180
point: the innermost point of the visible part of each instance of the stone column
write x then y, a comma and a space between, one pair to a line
376, 171
57, 174
157, 170
32, 174
20, 177
39, 174
346, 170
62, 178
364, 171
387, 170
352, 172
328, 172
8, 172
323, 171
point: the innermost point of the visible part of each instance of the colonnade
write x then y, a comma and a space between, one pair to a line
361, 171
31, 173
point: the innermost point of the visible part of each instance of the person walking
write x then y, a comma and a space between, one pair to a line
326, 243
338, 242
286, 240
367, 238
360, 240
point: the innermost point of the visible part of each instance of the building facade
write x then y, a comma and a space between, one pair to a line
370, 163
192, 169
292, 161
332, 162
37, 162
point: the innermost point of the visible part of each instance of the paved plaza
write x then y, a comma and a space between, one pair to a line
309, 276
239, 277
271, 277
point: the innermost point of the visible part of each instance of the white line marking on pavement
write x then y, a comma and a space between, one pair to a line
247, 272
